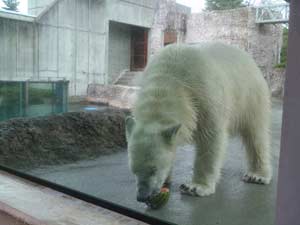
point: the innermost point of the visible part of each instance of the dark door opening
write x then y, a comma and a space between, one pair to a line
139, 49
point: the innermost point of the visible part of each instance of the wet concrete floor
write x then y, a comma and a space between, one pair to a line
234, 203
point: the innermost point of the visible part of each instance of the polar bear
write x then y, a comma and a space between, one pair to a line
200, 94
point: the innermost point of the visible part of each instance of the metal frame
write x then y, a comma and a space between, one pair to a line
288, 197
272, 13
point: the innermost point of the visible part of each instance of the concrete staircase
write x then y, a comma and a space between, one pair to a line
119, 96
128, 78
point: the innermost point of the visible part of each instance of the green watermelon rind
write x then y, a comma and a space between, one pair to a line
159, 200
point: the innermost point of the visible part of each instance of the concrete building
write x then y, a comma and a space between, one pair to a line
84, 41
94, 41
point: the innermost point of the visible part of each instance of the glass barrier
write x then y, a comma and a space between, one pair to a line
72, 132
29, 99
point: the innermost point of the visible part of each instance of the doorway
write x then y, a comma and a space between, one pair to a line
139, 48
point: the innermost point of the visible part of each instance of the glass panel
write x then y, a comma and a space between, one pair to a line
30, 99
63, 115
11, 104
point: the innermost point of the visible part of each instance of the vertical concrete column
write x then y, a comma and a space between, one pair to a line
21, 99
65, 91
25, 97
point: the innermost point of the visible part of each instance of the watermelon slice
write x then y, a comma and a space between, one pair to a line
160, 199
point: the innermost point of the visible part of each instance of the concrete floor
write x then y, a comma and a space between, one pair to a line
234, 203
37, 205
6, 219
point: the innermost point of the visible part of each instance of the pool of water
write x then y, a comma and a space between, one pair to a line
81, 107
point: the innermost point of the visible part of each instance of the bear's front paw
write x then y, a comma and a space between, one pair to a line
256, 179
197, 189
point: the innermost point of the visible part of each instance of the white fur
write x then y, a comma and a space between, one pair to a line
211, 92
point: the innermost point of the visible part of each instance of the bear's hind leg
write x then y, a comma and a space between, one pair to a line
257, 143
208, 162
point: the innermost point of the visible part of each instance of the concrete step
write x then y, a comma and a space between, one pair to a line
119, 96
128, 78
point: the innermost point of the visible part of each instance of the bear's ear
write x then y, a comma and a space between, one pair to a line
169, 133
129, 123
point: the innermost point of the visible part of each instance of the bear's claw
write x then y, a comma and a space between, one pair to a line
196, 189
256, 179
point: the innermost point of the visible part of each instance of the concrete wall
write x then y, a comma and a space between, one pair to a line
37, 6
17, 49
157, 15
276, 82
122, 14
70, 40
72, 43
119, 49
264, 44
133, 12
84, 48
238, 27
169, 16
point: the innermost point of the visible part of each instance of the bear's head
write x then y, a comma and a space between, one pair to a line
151, 151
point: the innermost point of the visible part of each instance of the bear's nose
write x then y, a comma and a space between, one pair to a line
143, 195
140, 198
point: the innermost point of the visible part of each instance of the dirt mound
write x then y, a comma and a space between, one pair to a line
57, 139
